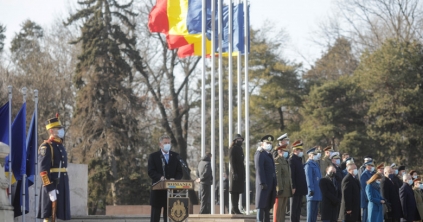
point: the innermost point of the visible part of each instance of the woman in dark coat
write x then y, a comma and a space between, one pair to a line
330, 196
237, 173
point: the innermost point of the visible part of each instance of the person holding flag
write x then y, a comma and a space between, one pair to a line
52, 160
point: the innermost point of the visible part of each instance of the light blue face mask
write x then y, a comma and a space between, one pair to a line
337, 161
285, 154
166, 147
300, 154
61, 133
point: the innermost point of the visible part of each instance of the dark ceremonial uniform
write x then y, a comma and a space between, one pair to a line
173, 169
52, 161
50, 154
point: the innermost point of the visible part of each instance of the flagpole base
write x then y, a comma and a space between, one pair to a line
6, 210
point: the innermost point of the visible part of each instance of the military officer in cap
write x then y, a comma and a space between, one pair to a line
265, 179
284, 184
282, 140
313, 176
325, 162
365, 176
363, 167
299, 184
52, 164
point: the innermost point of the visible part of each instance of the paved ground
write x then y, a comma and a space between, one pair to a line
123, 219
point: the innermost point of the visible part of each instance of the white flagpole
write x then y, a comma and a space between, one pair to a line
230, 82
220, 31
24, 90
213, 102
203, 80
247, 108
36, 153
10, 143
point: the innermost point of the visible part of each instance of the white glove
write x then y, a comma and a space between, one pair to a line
52, 195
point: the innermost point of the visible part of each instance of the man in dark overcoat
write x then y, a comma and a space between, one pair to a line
205, 181
298, 179
237, 173
52, 161
390, 192
350, 187
162, 165
330, 196
265, 179
408, 202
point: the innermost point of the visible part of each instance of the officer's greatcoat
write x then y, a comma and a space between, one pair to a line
50, 154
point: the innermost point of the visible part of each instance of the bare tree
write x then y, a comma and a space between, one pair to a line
168, 81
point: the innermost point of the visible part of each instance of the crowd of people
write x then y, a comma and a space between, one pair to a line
331, 184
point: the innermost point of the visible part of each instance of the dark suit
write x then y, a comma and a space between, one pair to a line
390, 192
408, 203
173, 169
299, 183
330, 199
350, 199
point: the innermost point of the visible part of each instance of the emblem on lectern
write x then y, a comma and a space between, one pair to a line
178, 209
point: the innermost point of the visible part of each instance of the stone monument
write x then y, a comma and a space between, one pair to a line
6, 210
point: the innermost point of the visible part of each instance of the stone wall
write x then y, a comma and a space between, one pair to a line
78, 183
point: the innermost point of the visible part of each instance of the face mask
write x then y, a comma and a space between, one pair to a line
268, 147
410, 182
396, 172
414, 177
61, 133
391, 176
285, 154
287, 142
421, 186
331, 174
355, 172
378, 181
316, 157
300, 154
319, 155
166, 147
239, 143
337, 161
372, 169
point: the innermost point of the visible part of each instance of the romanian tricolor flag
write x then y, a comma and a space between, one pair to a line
169, 17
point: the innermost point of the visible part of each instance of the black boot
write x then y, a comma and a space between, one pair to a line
235, 199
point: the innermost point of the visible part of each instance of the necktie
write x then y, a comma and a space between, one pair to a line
167, 157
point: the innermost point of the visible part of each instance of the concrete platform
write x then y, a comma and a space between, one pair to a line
221, 218
145, 218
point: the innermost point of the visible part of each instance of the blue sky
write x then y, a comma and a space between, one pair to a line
299, 18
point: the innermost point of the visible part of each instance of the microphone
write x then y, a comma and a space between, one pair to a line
163, 165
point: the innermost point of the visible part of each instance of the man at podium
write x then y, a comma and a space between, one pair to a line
162, 165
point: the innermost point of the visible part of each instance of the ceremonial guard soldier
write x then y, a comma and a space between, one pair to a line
265, 179
53, 161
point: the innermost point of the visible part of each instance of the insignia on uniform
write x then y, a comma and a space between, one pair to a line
179, 209
42, 151
270, 138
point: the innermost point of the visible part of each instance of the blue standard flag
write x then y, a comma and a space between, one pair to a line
4, 126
